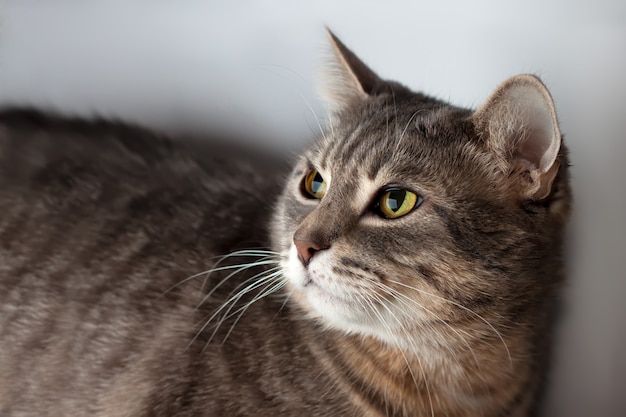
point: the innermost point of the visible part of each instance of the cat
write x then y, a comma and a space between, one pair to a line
406, 264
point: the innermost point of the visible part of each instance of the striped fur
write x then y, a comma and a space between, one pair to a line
106, 229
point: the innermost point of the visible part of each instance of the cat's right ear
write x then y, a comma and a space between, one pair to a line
347, 78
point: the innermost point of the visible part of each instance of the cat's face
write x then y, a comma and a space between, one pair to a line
376, 198
401, 219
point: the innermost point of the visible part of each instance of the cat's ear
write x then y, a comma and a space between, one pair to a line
519, 123
347, 78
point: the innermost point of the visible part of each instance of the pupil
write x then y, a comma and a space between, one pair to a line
317, 182
395, 200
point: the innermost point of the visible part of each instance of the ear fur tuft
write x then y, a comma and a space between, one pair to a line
347, 78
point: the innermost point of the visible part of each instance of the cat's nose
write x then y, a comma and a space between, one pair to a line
306, 249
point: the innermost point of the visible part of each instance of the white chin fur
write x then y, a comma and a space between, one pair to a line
334, 302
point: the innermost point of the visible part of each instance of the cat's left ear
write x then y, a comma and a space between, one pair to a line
519, 122
347, 78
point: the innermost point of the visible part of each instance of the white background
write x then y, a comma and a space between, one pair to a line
188, 65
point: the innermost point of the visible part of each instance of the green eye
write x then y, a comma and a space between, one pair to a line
315, 185
396, 202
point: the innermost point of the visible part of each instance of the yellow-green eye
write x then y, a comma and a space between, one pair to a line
315, 185
396, 202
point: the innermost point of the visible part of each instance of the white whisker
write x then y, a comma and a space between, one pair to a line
270, 69
402, 298
411, 303
269, 279
465, 309
257, 281
247, 252
410, 341
240, 268
273, 287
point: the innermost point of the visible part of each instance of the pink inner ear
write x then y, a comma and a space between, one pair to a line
533, 147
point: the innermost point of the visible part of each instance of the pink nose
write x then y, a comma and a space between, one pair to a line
306, 250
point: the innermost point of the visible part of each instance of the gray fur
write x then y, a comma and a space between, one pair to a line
105, 230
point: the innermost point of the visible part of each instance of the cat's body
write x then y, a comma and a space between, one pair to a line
441, 311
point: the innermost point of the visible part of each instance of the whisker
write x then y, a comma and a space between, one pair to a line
255, 281
293, 88
215, 268
236, 296
396, 294
497, 333
406, 127
265, 277
410, 304
273, 287
240, 268
409, 339
230, 300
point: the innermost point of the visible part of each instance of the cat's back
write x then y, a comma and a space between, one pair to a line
97, 221
115, 179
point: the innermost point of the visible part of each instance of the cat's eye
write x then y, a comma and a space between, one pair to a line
397, 202
314, 184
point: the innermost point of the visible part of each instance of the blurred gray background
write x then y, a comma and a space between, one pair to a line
189, 65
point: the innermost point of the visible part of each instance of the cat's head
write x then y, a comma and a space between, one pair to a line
410, 212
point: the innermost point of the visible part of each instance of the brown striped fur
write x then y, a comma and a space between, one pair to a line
442, 312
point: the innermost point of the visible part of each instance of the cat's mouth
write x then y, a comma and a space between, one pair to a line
316, 289
332, 297
308, 280
315, 280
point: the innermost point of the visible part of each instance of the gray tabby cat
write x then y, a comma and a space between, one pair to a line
406, 267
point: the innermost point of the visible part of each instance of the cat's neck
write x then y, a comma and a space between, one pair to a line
389, 381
